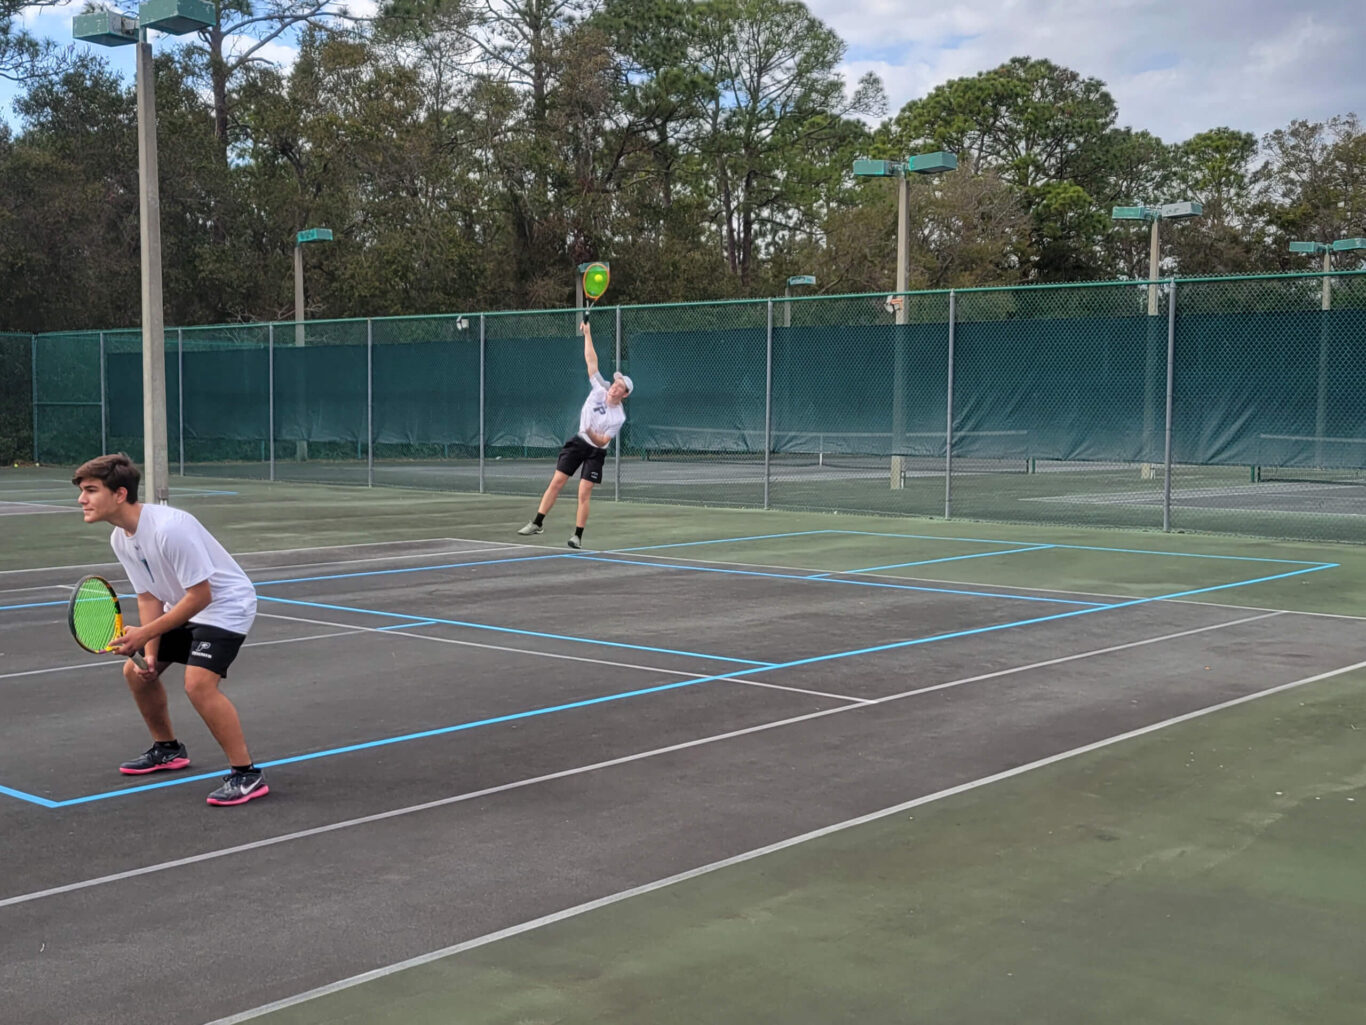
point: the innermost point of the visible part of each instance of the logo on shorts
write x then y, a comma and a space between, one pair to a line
202, 649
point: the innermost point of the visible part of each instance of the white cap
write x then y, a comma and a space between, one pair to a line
626, 381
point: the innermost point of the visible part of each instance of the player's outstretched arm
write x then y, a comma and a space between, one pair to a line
590, 354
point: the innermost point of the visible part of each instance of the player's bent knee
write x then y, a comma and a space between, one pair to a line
200, 683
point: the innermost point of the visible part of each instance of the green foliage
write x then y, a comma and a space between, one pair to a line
470, 154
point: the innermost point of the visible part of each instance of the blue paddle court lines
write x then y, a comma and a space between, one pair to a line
929, 562
410, 620
823, 579
748, 671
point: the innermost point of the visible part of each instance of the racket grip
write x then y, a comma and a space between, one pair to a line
138, 660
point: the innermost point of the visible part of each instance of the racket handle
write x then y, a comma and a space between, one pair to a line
138, 660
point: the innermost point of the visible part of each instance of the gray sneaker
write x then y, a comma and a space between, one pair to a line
530, 528
574, 541
239, 788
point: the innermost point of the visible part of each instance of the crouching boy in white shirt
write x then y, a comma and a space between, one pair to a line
195, 606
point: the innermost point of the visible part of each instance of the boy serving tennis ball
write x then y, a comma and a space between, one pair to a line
195, 606
599, 421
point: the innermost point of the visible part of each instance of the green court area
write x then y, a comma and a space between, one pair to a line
1202, 868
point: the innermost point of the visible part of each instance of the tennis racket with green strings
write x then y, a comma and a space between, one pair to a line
596, 277
95, 617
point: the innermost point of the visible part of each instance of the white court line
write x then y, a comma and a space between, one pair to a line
106, 663
390, 632
443, 802
751, 855
36, 587
977, 584
286, 551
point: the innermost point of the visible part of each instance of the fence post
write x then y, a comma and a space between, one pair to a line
270, 399
33, 372
1167, 455
369, 403
180, 393
948, 419
482, 346
768, 399
104, 404
616, 458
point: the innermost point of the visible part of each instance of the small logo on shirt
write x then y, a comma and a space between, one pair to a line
599, 409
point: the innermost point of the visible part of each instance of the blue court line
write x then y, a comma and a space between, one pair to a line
404, 569
409, 618
724, 540
603, 699
1093, 548
330, 576
839, 580
42, 802
407, 626
927, 562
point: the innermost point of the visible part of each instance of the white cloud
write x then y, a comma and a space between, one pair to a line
1173, 68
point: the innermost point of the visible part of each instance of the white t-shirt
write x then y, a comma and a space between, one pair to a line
597, 416
172, 551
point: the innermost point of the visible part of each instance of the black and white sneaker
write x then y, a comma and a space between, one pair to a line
574, 541
239, 788
530, 528
157, 759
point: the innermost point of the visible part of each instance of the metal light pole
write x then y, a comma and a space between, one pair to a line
300, 240
920, 163
796, 279
1325, 305
109, 28
1156, 335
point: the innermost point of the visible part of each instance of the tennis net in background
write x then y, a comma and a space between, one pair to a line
1059, 402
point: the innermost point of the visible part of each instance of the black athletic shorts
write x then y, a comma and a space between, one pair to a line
195, 644
577, 451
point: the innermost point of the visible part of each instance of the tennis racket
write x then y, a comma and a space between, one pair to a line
596, 277
95, 617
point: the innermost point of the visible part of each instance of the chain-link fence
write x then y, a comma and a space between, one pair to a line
16, 397
1230, 404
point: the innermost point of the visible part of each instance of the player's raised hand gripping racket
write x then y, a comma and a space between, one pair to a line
595, 279
95, 617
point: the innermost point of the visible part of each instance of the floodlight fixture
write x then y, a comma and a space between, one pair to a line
801, 279
313, 235
1344, 245
1176, 211
176, 17
876, 169
105, 28
932, 163
1309, 247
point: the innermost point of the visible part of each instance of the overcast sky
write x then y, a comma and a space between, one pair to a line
1174, 68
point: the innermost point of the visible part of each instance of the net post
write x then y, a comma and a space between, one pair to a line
768, 400
270, 404
104, 403
369, 402
1167, 454
616, 455
180, 394
948, 418
483, 344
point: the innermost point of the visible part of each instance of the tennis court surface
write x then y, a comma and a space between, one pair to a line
722, 767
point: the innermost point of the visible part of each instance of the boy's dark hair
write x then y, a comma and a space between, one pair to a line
113, 471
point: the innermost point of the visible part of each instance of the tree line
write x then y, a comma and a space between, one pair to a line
469, 154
